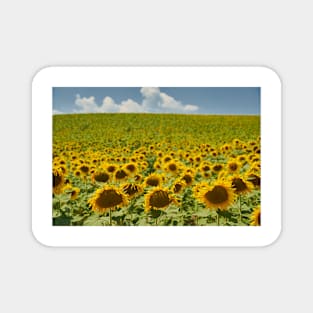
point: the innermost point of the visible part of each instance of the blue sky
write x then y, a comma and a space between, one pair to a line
187, 100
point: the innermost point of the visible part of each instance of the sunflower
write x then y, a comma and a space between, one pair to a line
188, 177
120, 174
100, 176
255, 218
77, 173
154, 180
131, 168
84, 169
217, 196
242, 159
57, 181
217, 168
166, 158
157, 165
111, 168
138, 178
178, 186
132, 190
255, 180
172, 167
74, 193
233, 166
158, 199
107, 198
205, 167
241, 185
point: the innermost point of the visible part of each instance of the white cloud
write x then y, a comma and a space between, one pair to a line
108, 105
54, 112
130, 105
86, 105
191, 107
153, 101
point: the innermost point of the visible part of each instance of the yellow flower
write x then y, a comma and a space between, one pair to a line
74, 193
241, 185
178, 186
132, 190
158, 199
217, 196
109, 197
100, 176
154, 180
255, 218
57, 181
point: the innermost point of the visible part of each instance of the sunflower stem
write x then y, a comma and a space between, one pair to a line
110, 217
217, 219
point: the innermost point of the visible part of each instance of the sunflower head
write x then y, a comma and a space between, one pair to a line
241, 184
255, 180
58, 181
217, 196
255, 218
111, 168
172, 167
131, 168
154, 180
106, 198
188, 177
120, 175
100, 176
84, 169
217, 168
205, 167
132, 190
74, 193
178, 186
233, 166
158, 199
167, 158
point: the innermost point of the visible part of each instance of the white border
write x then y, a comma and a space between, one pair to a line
262, 77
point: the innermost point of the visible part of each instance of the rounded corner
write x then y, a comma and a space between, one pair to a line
39, 240
274, 239
41, 73
272, 73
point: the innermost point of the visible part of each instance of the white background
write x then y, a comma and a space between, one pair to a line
35, 34
262, 77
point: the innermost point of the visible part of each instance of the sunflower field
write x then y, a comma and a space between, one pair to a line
156, 170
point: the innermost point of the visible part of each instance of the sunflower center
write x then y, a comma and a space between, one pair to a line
102, 177
259, 219
239, 184
178, 187
255, 180
120, 174
131, 167
152, 182
111, 168
217, 167
56, 180
159, 199
84, 169
217, 195
233, 166
109, 199
187, 179
206, 168
172, 167
130, 189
